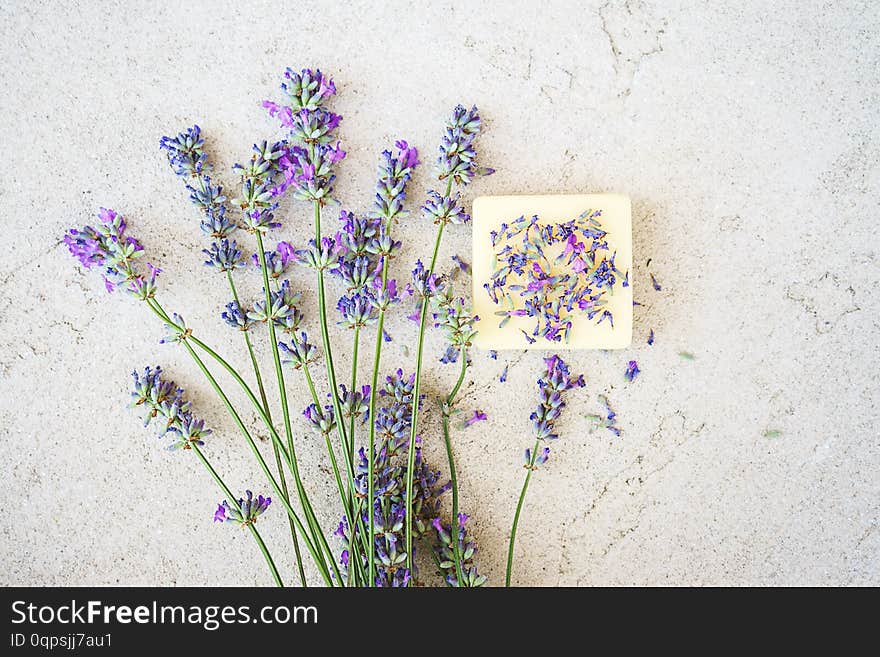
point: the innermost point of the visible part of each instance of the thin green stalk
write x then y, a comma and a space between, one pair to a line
522, 496
277, 454
354, 371
230, 496
411, 455
290, 458
346, 446
328, 353
256, 451
446, 408
334, 464
371, 492
265, 552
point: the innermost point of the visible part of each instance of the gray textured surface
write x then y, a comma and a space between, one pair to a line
746, 135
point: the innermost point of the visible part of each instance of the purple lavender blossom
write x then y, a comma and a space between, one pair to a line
224, 255
109, 246
632, 371
165, 402
321, 419
395, 171
300, 352
651, 337
457, 159
555, 381
355, 403
654, 282
445, 209
503, 377
307, 163
188, 159
392, 424
445, 552
236, 316
478, 416
244, 512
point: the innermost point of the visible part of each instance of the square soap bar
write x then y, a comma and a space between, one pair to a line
489, 212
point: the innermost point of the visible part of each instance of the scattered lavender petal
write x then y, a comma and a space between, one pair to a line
632, 371
478, 416
462, 265
651, 337
654, 282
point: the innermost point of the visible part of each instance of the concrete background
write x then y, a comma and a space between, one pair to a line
747, 136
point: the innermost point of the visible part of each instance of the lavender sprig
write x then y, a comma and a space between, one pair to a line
460, 554
456, 164
188, 159
556, 381
164, 399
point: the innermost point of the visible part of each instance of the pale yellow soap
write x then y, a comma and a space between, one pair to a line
489, 212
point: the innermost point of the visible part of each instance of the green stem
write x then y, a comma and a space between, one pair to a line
265, 468
229, 495
371, 491
334, 464
277, 454
411, 456
328, 355
354, 370
289, 458
265, 551
446, 409
522, 496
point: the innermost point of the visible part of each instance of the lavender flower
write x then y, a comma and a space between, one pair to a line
357, 310
236, 316
656, 285
395, 171
319, 256
355, 403
651, 338
109, 247
280, 310
457, 158
224, 255
300, 353
188, 159
454, 317
540, 457
244, 512
632, 371
608, 420
446, 554
445, 209
164, 400
503, 377
555, 381
462, 265
307, 164
322, 420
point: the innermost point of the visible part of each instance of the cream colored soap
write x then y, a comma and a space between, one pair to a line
489, 212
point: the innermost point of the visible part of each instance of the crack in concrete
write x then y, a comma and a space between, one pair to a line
825, 299
633, 36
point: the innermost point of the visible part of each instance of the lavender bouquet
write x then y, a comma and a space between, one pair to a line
390, 497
